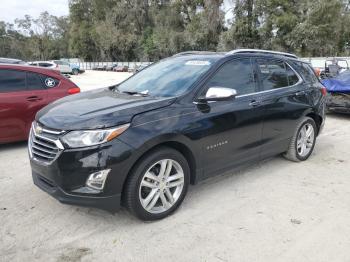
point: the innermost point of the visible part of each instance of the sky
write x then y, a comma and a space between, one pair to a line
12, 9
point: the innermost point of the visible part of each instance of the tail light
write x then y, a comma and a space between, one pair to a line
73, 90
323, 91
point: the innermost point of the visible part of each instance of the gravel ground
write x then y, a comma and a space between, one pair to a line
272, 211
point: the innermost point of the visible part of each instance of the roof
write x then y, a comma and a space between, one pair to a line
262, 51
10, 60
37, 69
239, 51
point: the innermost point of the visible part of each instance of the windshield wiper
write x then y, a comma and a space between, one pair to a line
143, 93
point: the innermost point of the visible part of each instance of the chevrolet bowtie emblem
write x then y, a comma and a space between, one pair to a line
38, 129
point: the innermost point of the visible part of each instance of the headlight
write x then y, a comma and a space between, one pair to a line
92, 137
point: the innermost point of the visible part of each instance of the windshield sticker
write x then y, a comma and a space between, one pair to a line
197, 63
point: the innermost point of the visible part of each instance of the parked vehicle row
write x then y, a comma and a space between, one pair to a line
4, 60
188, 117
113, 67
61, 66
24, 90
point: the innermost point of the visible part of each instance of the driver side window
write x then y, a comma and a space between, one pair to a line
236, 74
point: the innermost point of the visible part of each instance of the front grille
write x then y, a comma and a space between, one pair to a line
44, 144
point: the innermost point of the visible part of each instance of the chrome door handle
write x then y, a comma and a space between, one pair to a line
254, 103
33, 98
300, 93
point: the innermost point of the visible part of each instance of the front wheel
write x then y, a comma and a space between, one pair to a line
303, 141
75, 72
157, 185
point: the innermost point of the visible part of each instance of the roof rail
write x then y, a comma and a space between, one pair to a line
196, 53
261, 51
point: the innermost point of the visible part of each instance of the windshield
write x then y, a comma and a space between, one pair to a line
169, 77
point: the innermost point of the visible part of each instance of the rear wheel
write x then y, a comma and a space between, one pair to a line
75, 71
157, 185
303, 141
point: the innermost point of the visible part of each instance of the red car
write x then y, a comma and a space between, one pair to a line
121, 69
24, 90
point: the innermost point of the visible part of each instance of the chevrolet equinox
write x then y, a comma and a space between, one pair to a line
181, 120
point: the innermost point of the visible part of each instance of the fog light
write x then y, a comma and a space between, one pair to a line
97, 180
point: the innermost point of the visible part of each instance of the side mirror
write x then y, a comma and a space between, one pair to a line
219, 94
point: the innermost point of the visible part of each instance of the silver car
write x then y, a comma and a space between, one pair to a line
58, 65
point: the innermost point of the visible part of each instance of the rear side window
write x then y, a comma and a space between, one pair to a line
276, 74
292, 76
309, 73
34, 81
236, 74
12, 80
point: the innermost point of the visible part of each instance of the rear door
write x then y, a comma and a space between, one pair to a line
18, 104
231, 130
284, 99
38, 95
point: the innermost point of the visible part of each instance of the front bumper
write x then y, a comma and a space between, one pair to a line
109, 203
65, 178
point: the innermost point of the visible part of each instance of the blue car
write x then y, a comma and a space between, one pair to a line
76, 69
338, 88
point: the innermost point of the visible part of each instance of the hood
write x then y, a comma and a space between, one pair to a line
97, 109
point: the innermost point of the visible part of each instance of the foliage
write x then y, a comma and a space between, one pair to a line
152, 29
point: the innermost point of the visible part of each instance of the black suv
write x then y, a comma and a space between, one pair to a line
142, 142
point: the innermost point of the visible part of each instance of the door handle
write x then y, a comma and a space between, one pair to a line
33, 98
300, 93
254, 103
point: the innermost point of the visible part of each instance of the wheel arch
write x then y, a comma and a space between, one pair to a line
181, 147
317, 118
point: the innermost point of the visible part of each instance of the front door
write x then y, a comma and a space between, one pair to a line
231, 130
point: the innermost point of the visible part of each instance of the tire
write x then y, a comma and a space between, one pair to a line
141, 190
294, 152
75, 72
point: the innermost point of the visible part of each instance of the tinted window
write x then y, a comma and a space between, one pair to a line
309, 74
292, 76
12, 80
237, 75
273, 74
34, 81
45, 64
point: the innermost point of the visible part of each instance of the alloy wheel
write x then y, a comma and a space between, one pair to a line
161, 186
305, 140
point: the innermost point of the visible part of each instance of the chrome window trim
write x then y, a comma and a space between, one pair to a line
300, 81
270, 90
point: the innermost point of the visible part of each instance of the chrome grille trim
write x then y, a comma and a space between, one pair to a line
46, 146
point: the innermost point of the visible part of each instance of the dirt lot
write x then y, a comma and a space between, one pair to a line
272, 211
